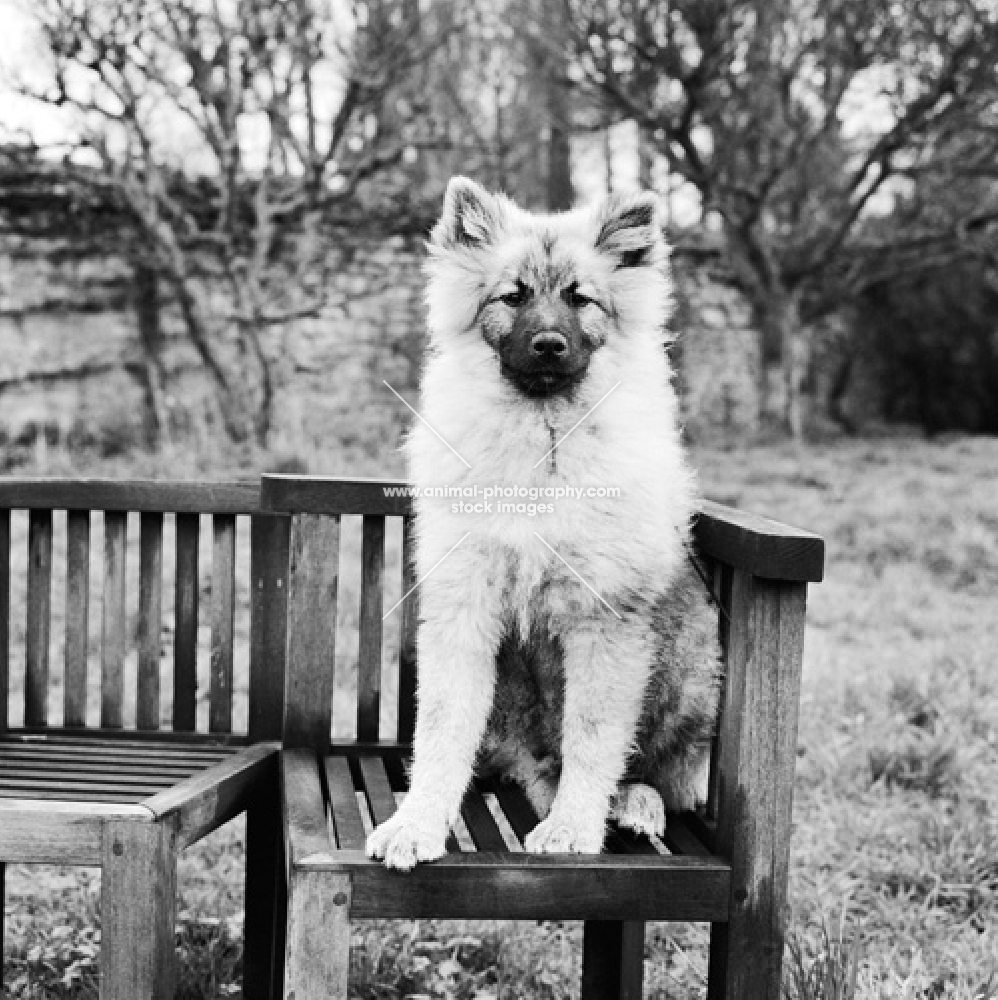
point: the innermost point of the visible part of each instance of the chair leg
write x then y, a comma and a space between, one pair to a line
138, 911
317, 954
612, 959
745, 961
264, 886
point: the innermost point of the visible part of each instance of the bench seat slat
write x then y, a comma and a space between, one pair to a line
379, 790
481, 824
15, 777
343, 802
68, 789
132, 795
680, 838
207, 742
88, 767
518, 811
142, 759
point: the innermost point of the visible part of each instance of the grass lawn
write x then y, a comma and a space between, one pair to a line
895, 847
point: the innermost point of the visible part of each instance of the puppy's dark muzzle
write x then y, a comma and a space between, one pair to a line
546, 373
545, 353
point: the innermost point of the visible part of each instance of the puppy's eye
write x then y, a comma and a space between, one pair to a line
575, 298
515, 298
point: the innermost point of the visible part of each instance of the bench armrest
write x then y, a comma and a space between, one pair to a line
758, 545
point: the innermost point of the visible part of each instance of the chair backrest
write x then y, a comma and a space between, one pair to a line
740, 556
120, 671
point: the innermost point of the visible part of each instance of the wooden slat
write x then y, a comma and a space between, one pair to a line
680, 838
36, 679
758, 741
75, 794
53, 832
4, 617
69, 788
343, 802
526, 886
305, 824
759, 545
126, 495
150, 624
114, 642
517, 810
270, 537
126, 757
22, 777
369, 657
619, 841
77, 617
315, 548
206, 800
333, 495
223, 590
407, 634
124, 737
481, 824
17, 762
185, 668
378, 788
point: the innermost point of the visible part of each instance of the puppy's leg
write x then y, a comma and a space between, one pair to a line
683, 779
639, 808
606, 669
457, 642
537, 778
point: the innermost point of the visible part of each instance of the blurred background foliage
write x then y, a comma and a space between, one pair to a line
232, 179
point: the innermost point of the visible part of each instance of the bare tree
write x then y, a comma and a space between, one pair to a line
800, 123
231, 135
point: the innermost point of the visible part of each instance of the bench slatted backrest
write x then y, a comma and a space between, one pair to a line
131, 623
746, 561
319, 506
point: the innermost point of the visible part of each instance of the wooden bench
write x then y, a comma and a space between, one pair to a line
727, 866
120, 764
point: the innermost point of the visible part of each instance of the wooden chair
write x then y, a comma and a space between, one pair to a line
110, 773
727, 866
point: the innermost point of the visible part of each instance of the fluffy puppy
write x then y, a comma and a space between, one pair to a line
569, 646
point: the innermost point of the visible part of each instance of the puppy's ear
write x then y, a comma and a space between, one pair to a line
628, 229
471, 217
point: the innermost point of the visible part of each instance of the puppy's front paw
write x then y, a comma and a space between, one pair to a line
406, 839
639, 808
559, 835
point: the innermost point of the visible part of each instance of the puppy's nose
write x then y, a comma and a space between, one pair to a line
548, 344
